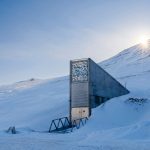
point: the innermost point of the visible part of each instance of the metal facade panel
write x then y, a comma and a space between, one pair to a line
79, 94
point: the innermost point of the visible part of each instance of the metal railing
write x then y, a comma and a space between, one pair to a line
59, 124
78, 122
63, 124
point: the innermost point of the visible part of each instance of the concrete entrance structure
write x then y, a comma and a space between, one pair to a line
90, 85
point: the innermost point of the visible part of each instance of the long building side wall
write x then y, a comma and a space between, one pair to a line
102, 84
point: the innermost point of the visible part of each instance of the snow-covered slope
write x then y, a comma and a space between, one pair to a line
130, 62
33, 103
132, 68
117, 124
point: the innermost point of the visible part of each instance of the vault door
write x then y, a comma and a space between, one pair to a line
80, 112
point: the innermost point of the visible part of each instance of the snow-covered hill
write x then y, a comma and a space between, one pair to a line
132, 68
130, 62
33, 104
117, 124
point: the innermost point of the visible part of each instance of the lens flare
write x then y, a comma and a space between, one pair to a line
144, 41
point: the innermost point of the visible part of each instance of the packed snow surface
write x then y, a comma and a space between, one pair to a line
122, 123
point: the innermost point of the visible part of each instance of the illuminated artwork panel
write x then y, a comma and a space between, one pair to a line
80, 71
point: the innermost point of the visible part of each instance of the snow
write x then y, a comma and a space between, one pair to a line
118, 124
34, 107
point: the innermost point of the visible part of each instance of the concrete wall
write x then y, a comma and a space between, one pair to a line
103, 84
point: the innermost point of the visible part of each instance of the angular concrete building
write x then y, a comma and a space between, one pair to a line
90, 85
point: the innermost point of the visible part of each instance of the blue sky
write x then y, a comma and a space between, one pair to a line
39, 37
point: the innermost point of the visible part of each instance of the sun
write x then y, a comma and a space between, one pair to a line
144, 41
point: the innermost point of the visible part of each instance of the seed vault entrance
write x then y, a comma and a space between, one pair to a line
90, 85
80, 112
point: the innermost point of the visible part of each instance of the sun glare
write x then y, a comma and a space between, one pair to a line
144, 41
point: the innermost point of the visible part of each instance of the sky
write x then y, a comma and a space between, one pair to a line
38, 38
